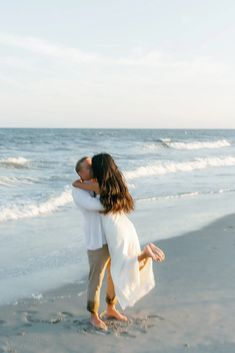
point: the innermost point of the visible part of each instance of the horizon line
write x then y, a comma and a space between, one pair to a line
118, 128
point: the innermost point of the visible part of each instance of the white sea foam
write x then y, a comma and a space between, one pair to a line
37, 296
6, 181
183, 195
32, 210
190, 145
167, 197
9, 181
166, 167
15, 162
199, 144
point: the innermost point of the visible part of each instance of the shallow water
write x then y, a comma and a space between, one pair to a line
180, 179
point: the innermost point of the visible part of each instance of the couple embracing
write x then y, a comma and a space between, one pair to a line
111, 239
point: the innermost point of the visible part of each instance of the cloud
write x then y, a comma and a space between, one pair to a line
43, 47
138, 58
11, 82
137, 70
153, 58
156, 59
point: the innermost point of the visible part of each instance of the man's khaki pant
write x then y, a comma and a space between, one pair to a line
99, 261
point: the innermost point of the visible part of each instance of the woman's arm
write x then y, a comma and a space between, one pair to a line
92, 186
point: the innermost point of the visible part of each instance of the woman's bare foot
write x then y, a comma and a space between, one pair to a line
149, 253
157, 251
97, 322
112, 312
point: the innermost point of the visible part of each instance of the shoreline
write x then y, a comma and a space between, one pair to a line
138, 220
48, 278
191, 308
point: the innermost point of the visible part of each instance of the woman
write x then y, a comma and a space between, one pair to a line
131, 268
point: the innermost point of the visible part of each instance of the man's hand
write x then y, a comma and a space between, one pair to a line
96, 188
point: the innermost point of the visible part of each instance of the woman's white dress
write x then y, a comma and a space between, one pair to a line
130, 283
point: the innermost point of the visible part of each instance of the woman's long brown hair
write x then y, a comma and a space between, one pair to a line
114, 194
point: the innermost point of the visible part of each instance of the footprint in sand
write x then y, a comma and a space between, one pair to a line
54, 319
66, 313
153, 316
133, 327
130, 329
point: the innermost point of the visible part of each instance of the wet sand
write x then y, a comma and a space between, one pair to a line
191, 309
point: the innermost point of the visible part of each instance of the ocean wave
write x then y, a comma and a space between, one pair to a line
183, 195
195, 145
192, 145
15, 162
167, 197
9, 181
34, 209
166, 167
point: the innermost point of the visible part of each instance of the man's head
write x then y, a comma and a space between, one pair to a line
84, 168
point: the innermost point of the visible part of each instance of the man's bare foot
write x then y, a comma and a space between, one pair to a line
97, 322
112, 312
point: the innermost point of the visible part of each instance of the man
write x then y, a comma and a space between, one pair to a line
97, 249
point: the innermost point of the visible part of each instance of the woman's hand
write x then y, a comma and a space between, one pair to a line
87, 185
77, 183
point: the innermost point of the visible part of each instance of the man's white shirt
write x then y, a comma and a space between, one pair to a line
90, 207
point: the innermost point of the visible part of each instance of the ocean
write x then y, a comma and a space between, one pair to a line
180, 179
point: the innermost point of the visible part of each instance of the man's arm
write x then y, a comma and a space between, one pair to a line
83, 199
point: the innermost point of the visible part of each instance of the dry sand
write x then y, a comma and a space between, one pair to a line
191, 309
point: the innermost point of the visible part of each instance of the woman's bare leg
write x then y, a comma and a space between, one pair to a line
142, 263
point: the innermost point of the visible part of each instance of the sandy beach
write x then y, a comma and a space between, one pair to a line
191, 309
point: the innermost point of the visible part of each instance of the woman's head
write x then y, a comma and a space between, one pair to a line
114, 194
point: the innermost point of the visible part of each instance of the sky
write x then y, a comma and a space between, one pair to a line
117, 64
